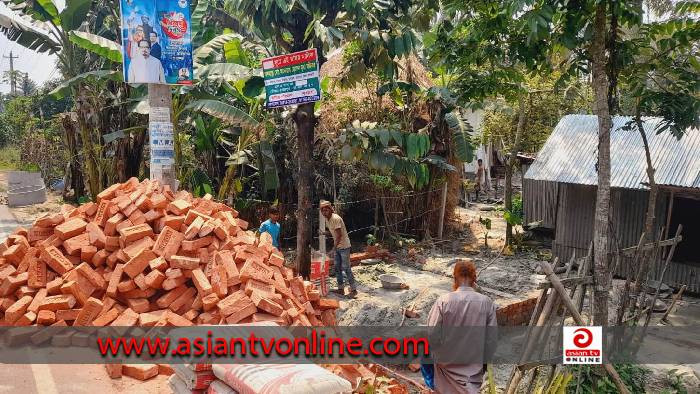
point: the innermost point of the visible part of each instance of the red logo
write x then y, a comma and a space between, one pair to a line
583, 337
174, 25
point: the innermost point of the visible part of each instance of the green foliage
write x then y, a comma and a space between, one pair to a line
676, 381
391, 151
9, 158
514, 217
371, 239
386, 183
101, 46
17, 119
633, 376
201, 184
461, 136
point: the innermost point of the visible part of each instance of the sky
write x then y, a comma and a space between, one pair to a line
40, 66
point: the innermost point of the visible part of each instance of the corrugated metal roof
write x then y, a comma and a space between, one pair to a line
570, 154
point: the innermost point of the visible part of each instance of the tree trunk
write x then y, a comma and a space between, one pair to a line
602, 210
71, 141
227, 182
645, 260
88, 147
305, 122
510, 162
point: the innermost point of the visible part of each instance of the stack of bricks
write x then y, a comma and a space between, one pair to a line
142, 255
516, 313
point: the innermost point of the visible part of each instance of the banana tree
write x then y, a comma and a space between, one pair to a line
41, 27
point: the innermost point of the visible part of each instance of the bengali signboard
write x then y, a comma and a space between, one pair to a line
157, 41
292, 79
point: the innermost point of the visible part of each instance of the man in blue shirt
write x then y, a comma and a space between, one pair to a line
272, 226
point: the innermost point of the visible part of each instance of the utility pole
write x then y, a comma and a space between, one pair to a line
13, 81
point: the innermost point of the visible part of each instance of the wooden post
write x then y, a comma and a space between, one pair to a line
663, 274
443, 203
160, 121
556, 283
673, 302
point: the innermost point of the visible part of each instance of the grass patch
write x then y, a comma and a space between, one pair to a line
9, 158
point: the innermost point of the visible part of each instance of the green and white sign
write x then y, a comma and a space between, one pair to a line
292, 79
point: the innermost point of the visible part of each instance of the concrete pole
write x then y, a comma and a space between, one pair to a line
160, 127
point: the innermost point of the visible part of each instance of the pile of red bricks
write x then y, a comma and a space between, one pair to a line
143, 255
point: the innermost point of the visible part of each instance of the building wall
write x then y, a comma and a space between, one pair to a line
573, 209
540, 202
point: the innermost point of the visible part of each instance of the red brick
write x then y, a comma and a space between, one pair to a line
12, 283
159, 201
106, 318
73, 245
201, 283
154, 279
168, 242
92, 275
209, 302
49, 220
46, 318
126, 285
140, 371
114, 280
6, 271
14, 254
134, 233
70, 229
112, 243
158, 264
179, 207
276, 259
139, 263
255, 270
37, 273
72, 288
53, 287
219, 280
257, 286
328, 303
177, 320
169, 284
112, 223
39, 233
67, 314
56, 260
240, 312
58, 302
265, 317
184, 299
87, 253
17, 309
37, 300
184, 262
233, 303
193, 229
138, 305
126, 318
168, 298
137, 246
266, 304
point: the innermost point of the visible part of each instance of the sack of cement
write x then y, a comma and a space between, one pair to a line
281, 379
193, 380
219, 387
178, 386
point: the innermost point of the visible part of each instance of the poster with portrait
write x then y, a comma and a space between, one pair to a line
157, 41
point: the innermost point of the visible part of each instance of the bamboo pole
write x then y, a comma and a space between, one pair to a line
579, 320
443, 204
673, 302
663, 274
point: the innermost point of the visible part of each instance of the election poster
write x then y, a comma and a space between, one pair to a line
157, 41
292, 79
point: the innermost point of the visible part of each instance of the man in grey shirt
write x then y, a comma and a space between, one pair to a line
472, 312
341, 244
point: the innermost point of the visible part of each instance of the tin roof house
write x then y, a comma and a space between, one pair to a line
559, 190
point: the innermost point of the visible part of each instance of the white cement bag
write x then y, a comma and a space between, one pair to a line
281, 379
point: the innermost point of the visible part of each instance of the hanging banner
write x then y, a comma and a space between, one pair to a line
292, 79
157, 41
